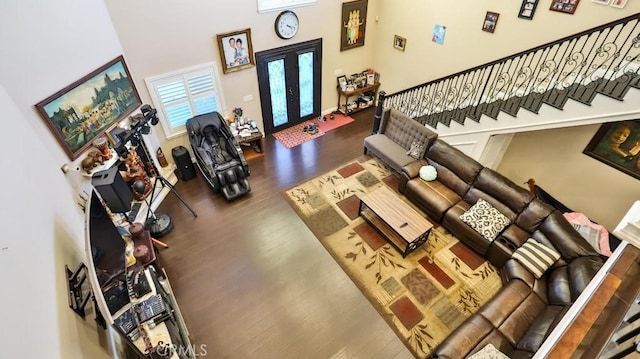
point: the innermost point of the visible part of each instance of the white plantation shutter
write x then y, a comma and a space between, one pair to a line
181, 95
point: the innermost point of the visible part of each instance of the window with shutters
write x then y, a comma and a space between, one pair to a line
180, 95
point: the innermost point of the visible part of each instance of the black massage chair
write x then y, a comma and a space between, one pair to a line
218, 155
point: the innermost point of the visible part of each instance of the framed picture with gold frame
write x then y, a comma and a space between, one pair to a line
236, 50
84, 110
399, 42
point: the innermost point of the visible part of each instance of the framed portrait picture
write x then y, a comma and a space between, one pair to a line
617, 144
399, 42
84, 110
527, 9
353, 25
342, 82
490, 21
618, 3
565, 6
602, 2
236, 50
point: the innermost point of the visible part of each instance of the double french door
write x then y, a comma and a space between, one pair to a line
289, 79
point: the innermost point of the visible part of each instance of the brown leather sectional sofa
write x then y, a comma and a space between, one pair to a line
526, 309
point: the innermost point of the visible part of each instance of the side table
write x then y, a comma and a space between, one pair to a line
251, 145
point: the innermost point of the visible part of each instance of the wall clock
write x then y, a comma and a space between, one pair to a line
287, 24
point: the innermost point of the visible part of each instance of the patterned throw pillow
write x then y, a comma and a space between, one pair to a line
536, 257
485, 219
488, 352
416, 150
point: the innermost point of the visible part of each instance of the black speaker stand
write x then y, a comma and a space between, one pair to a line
160, 224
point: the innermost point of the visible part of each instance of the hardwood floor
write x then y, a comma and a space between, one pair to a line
253, 281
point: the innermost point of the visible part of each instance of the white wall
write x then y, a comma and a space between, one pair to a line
45, 47
555, 160
160, 36
465, 44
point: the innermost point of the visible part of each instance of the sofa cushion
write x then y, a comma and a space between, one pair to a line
467, 235
500, 307
564, 237
541, 327
531, 217
455, 169
488, 352
509, 198
536, 257
433, 197
388, 151
485, 219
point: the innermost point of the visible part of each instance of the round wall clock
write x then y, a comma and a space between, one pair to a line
287, 24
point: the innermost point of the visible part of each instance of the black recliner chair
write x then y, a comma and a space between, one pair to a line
218, 155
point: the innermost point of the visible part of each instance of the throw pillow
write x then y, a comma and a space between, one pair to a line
428, 173
485, 219
488, 352
416, 150
536, 257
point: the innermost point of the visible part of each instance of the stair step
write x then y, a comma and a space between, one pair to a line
493, 109
557, 98
617, 88
586, 93
512, 106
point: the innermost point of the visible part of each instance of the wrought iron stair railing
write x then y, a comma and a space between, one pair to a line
602, 60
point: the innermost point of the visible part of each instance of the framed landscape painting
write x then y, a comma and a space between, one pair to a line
617, 144
84, 110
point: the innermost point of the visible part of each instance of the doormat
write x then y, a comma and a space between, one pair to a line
424, 296
294, 136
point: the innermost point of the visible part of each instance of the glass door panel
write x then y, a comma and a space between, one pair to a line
278, 92
305, 77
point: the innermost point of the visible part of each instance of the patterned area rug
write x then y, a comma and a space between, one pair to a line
294, 136
424, 296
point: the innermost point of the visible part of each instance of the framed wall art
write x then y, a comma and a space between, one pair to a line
236, 50
353, 25
619, 3
490, 21
601, 2
617, 144
527, 9
438, 34
399, 42
84, 110
565, 6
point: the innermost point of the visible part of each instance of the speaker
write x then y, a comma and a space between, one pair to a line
186, 169
113, 189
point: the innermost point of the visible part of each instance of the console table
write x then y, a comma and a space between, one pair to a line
343, 98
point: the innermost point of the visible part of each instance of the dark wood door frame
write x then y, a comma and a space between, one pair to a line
291, 78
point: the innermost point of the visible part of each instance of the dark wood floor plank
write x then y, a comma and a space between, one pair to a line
252, 280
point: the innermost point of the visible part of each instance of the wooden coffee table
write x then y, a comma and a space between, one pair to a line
399, 224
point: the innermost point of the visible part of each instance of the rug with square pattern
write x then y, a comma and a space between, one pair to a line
424, 296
